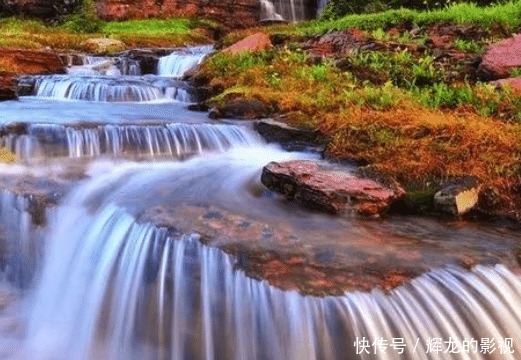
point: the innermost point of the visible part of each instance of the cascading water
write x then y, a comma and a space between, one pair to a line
20, 238
142, 292
139, 261
173, 140
278, 10
97, 89
107, 79
179, 62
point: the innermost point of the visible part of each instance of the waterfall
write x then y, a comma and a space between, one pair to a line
104, 65
21, 237
117, 289
102, 89
153, 140
179, 62
278, 10
321, 5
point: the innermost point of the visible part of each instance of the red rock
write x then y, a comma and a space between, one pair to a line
16, 62
19, 61
327, 189
441, 42
501, 58
256, 42
513, 83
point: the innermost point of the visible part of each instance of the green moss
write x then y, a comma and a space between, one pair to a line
419, 201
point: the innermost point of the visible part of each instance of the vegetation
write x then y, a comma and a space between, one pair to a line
77, 28
506, 15
339, 8
403, 112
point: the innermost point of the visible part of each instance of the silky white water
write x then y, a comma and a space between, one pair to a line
110, 273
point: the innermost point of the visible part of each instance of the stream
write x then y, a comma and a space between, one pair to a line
133, 228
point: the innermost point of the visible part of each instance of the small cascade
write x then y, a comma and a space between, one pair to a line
103, 65
100, 89
279, 10
142, 292
21, 236
179, 62
172, 140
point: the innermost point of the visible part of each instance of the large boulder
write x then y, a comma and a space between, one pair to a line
500, 58
328, 189
256, 42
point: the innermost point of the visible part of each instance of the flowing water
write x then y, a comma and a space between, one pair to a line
280, 10
115, 243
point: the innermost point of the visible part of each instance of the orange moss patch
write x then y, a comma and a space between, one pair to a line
419, 147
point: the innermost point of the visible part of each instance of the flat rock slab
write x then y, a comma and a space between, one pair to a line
19, 61
325, 188
255, 42
500, 58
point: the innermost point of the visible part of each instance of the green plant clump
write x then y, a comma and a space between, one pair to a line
84, 21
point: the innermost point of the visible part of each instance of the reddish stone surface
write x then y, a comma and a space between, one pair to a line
326, 189
441, 42
501, 58
337, 42
231, 13
15, 62
30, 62
256, 42
513, 83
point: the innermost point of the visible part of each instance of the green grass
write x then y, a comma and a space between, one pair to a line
72, 34
507, 15
149, 27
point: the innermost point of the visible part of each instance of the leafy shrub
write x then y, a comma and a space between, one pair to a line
86, 20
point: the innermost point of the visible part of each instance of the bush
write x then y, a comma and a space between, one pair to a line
86, 20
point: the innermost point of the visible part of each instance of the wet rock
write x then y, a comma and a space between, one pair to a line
328, 189
271, 252
147, 58
500, 58
255, 42
200, 107
214, 113
291, 138
241, 108
7, 86
458, 196
104, 46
